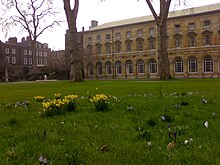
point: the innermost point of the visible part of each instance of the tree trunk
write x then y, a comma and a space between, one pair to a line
163, 60
75, 58
72, 45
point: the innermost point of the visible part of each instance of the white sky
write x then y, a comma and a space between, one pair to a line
107, 11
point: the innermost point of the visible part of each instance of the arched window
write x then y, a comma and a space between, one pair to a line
179, 66
118, 67
152, 66
99, 68
108, 68
208, 65
129, 67
90, 70
193, 67
140, 66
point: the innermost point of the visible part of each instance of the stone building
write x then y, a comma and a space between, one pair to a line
128, 48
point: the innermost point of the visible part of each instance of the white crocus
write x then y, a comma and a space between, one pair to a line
206, 124
186, 142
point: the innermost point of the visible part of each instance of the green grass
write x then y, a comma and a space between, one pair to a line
118, 136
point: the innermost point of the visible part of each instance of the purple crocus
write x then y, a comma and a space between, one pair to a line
174, 133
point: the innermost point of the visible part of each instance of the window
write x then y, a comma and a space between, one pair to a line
25, 52
13, 60
6, 50
207, 23
179, 66
152, 66
192, 40
207, 39
192, 26
139, 46
13, 51
128, 46
178, 42
99, 68
25, 60
39, 61
118, 67
98, 38
89, 40
117, 47
140, 67
98, 49
108, 48
30, 61
151, 43
108, 68
193, 66
139, 32
90, 70
40, 53
89, 50
118, 36
108, 37
30, 52
151, 31
208, 65
128, 34
177, 28
129, 67
45, 54
7, 59
45, 61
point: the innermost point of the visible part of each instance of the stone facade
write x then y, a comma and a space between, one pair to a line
128, 48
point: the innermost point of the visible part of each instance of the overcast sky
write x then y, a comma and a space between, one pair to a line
107, 11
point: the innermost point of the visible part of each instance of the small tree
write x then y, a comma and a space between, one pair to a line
72, 46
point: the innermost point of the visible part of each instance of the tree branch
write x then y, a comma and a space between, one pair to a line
153, 11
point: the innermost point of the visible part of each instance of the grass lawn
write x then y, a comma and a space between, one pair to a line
142, 119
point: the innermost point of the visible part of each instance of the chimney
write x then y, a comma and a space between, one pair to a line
23, 40
94, 23
12, 40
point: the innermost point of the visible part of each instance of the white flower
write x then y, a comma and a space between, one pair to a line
62, 122
41, 159
190, 140
45, 160
186, 142
149, 144
163, 118
206, 124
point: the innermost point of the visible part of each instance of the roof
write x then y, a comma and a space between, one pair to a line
178, 13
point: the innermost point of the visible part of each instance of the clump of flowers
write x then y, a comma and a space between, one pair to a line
57, 95
59, 105
101, 102
39, 98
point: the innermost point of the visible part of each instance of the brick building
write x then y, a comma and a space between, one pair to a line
18, 57
128, 48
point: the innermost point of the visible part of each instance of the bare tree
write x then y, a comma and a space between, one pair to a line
161, 22
31, 16
72, 46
